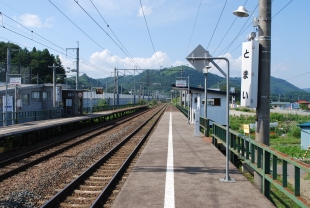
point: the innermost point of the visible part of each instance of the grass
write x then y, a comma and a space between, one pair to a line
292, 151
284, 138
278, 198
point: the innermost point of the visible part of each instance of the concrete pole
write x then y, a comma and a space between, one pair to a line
77, 66
114, 86
117, 102
206, 89
8, 67
54, 84
189, 99
134, 87
263, 98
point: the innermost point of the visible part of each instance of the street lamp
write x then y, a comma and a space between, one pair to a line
205, 72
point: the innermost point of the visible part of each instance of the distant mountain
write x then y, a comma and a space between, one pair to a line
307, 89
150, 79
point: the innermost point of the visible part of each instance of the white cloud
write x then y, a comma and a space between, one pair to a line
32, 20
234, 66
147, 11
105, 59
107, 63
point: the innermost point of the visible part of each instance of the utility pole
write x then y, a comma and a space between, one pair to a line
6, 85
54, 84
263, 99
114, 85
117, 100
77, 64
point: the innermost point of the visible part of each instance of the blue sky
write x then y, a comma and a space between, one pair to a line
171, 27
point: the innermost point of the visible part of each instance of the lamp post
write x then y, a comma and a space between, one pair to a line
205, 72
226, 178
264, 65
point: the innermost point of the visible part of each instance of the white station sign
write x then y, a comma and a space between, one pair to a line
249, 73
15, 80
180, 83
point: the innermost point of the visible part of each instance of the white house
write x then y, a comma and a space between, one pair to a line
216, 103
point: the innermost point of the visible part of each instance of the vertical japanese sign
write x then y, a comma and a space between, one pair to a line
9, 106
249, 73
58, 99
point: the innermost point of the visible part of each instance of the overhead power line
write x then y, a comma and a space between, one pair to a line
190, 39
149, 33
251, 23
105, 32
217, 24
108, 26
41, 25
88, 35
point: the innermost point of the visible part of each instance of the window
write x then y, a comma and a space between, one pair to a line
214, 101
35, 95
68, 102
45, 95
25, 99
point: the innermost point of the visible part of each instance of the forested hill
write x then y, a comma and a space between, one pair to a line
148, 80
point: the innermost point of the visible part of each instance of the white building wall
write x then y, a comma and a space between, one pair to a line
215, 113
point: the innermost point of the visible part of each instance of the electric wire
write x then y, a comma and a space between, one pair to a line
228, 30
105, 32
149, 32
281, 9
190, 39
239, 33
88, 35
112, 31
217, 24
251, 23
93, 66
32, 21
44, 26
30, 30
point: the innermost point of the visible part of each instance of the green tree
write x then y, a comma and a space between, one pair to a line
303, 106
103, 102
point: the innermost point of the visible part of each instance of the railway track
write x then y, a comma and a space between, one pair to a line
19, 163
94, 186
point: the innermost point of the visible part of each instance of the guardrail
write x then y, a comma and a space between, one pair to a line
204, 123
263, 159
108, 107
26, 116
36, 115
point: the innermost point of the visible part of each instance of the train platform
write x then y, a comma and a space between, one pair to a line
29, 127
177, 169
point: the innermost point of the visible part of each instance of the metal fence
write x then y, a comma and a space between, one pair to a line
263, 159
28, 116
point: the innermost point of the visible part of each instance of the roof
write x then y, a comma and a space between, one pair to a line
305, 124
303, 101
279, 103
198, 89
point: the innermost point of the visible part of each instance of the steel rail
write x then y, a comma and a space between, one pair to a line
49, 155
98, 202
60, 195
